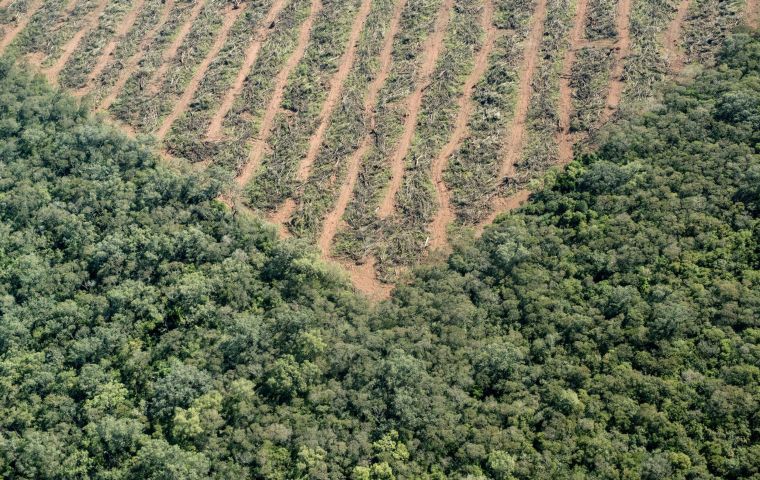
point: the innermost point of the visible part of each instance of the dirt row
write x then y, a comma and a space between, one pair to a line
433, 47
260, 144
251, 55
108, 50
333, 96
445, 214
71, 46
34, 6
187, 95
333, 219
622, 49
565, 140
134, 61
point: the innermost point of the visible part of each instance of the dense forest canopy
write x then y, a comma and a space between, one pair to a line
609, 329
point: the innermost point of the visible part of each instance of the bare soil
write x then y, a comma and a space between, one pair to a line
230, 17
134, 61
445, 215
565, 107
251, 55
672, 39
530, 56
332, 221
622, 49
171, 51
433, 47
336, 88
22, 23
71, 46
105, 55
260, 144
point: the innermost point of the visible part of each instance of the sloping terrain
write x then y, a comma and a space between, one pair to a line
608, 329
375, 128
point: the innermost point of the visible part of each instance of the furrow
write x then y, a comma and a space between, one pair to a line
565, 140
413, 103
71, 45
34, 6
134, 61
622, 50
445, 214
187, 96
105, 55
215, 126
273, 107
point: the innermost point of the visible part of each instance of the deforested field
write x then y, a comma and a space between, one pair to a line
379, 130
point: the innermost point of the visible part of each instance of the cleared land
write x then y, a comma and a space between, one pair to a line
370, 127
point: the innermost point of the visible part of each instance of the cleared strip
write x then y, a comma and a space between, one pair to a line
332, 220
565, 141
517, 130
134, 61
22, 23
215, 126
623, 49
187, 96
444, 216
259, 145
672, 39
434, 45
71, 46
336, 87
102, 61
171, 51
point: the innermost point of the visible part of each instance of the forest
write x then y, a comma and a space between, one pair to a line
379, 130
608, 329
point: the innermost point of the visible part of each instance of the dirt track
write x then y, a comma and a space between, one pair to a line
134, 61
22, 23
672, 38
622, 50
251, 55
445, 215
565, 107
336, 88
173, 48
267, 122
105, 55
432, 50
230, 17
525, 90
331, 222
752, 13
71, 46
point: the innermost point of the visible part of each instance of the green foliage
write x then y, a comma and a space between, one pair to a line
609, 329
